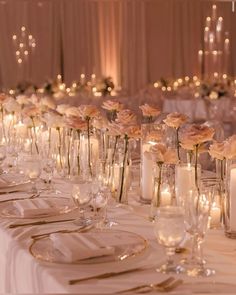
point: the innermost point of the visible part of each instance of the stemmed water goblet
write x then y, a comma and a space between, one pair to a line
82, 197
169, 229
197, 211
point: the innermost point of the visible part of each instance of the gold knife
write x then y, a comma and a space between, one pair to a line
105, 275
41, 222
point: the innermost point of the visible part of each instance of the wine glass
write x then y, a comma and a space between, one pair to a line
82, 197
169, 229
3, 155
32, 169
197, 212
48, 169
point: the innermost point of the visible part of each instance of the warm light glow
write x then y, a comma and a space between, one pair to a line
196, 94
163, 88
168, 88
215, 52
23, 29
17, 52
180, 80
195, 78
19, 60
186, 78
227, 41
14, 37
208, 19
33, 44
156, 85
26, 52
220, 18
224, 76
21, 45
197, 83
74, 85
216, 75
30, 37
214, 7
58, 77
206, 29
82, 76
93, 76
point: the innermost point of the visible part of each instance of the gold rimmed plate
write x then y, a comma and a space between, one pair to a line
126, 245
55, 206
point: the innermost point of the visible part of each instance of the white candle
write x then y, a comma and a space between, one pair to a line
147, 180
21, 130
215, 215
115, 178
232, 188
165, 198
184, 181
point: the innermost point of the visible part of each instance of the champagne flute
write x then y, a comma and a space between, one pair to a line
169, 229
197, 212
82, 197
32, 169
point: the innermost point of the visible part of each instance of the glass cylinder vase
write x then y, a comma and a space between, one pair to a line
230, 200
151, 134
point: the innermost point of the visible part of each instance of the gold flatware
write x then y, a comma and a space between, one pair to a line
160, 285
165, 288
105, 275
40, 222
63, 231
18, 199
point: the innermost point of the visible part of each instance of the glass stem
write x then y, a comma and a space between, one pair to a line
170, 252
196, 252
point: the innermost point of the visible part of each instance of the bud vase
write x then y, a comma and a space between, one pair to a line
230, 200
163, 188
150, 135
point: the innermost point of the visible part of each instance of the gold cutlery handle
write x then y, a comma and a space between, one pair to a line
41, 222
104, 275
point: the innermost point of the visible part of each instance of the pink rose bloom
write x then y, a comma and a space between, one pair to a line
149, 111
175, 120
126, 117
217, 150
31, 111
196, 135
3, 97
88, 111
112, 105
230, 147
76, 123
161, 154
72, 111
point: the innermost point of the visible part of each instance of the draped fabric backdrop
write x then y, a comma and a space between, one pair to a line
134, 41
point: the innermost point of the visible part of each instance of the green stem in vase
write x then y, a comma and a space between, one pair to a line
68, 150
89, 152
177, 143
196, 174
158, 199
78, 154
123, 168
114, 150
35, 135
59, 146
49, 140
3, 125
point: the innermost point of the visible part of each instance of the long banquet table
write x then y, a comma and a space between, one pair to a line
22, 273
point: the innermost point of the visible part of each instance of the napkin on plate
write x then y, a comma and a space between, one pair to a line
77, 246
35, 207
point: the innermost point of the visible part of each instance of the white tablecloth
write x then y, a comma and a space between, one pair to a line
22, 273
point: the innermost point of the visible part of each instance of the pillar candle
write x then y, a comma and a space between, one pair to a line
165, 198
184, 181
215, 215
232, 188
147, 180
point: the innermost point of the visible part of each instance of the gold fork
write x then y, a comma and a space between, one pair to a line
160, 285
166, 288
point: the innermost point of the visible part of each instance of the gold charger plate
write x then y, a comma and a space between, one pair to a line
130, 245
60, 205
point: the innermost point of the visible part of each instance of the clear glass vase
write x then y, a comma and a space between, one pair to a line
150, 135
124, 174
163, 190
230, 200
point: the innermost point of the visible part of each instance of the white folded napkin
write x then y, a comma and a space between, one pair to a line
77, 246
35, 207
